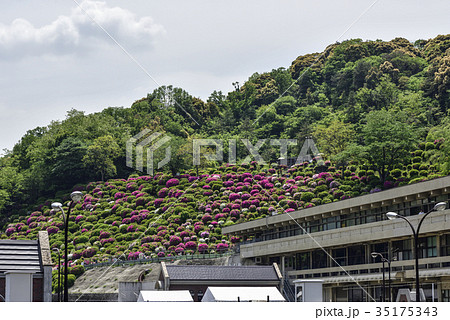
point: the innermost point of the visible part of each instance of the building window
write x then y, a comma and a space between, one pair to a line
427, 247
284, 232
294, 230
289, 262
315, 226
372, 215
331, 223
371, 218
402, 249
445, 245
319, 259
200, 295
348, 220
273, 234
273, 260
356, 255
304, 228
415, 210
445, 295
443, 197
303, 261
356, 295
339, 256
380, 248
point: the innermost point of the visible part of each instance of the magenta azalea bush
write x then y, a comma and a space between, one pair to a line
134, 255
203, 247
172, 182
221, 247
190, 245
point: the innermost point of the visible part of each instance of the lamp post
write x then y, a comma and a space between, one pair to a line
392, 215
383, 259
76, 197
59, 273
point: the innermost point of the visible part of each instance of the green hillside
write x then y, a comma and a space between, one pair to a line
377, 111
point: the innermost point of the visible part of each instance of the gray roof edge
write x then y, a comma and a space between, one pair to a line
223, 273
216, 266
19, 242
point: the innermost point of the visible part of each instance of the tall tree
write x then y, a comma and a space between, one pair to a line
100, 156
68, 168
11, 185
333, 138
388, 139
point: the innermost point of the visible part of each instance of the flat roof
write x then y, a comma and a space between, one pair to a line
222, 273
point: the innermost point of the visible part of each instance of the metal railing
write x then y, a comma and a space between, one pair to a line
288, 291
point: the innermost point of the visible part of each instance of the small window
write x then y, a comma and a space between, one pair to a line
340, 256
319, 259
356, 255
428, 247
303, 261
445, 245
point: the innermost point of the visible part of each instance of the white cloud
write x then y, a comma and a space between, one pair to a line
79, 31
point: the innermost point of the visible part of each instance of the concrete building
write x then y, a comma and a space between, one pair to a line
26, 270
333, 242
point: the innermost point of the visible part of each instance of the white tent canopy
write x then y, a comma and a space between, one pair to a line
243, 294
165, 296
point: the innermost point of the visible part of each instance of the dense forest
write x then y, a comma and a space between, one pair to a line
375, 103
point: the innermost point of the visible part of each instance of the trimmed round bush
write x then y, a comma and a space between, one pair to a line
429, 146
174, 240
396, 173
77, 270
221, 247
307, 196
416, 160
203, 247
172, 182
80, 239
89, 252
413, 173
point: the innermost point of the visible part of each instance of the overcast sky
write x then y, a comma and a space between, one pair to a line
56, 55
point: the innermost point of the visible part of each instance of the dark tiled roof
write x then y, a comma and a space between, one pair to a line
222, 273
19, 255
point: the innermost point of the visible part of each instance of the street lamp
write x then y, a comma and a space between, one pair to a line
76, 197
392, 215
59, 273
383, 259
